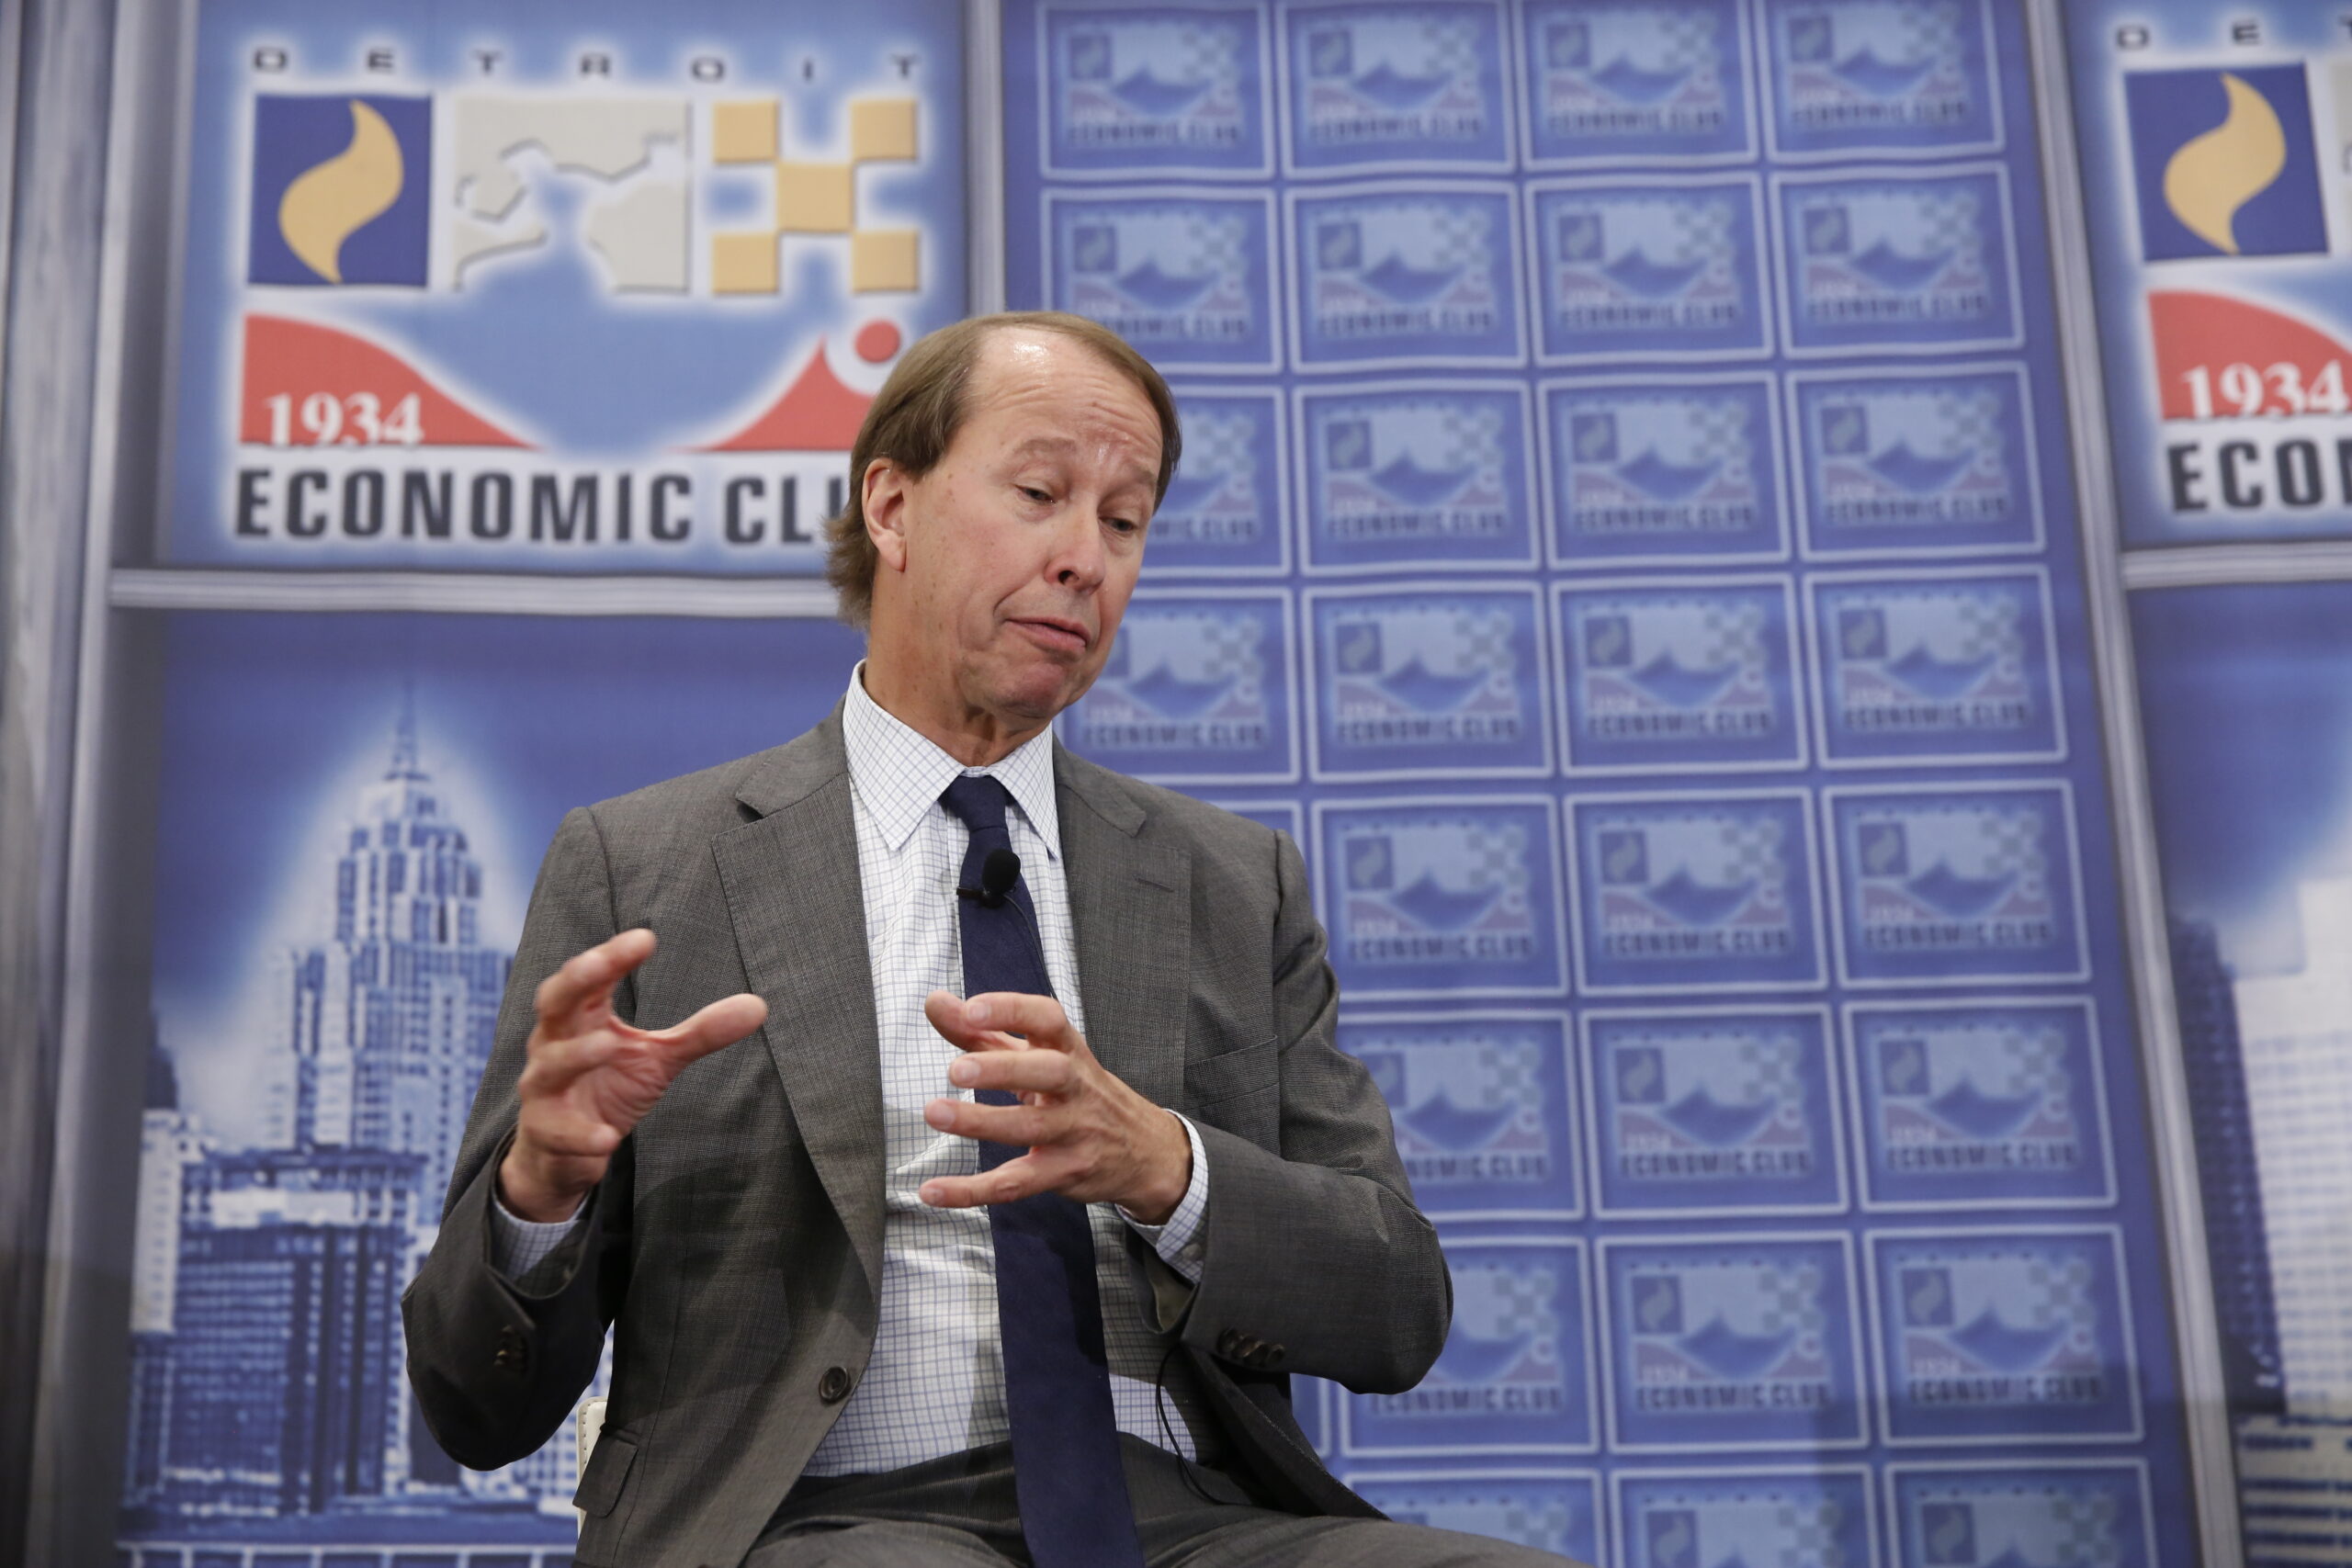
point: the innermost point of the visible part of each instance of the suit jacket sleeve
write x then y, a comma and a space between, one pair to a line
1316, 1251
498, 1366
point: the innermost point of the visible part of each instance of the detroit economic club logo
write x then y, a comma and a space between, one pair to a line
425, 274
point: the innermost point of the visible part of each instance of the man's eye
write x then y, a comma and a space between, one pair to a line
1035, 493
1124, 524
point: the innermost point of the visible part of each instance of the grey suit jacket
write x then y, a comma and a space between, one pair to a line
736, 1242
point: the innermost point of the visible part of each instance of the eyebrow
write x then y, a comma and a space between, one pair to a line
1138, 472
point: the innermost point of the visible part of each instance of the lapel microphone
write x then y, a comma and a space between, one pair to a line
998, 871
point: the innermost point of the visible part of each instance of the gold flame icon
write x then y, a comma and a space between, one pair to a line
2215, 175
331, 202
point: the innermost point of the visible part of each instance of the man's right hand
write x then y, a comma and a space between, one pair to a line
589, 1077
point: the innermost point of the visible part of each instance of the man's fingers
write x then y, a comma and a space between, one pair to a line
1021, 1072
1022, 1126
1015, 1178
977, 1023
587, 978
721, 1024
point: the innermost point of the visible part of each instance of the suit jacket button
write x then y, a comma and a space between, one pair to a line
1228, 1344
833, 1387
1273, 1357
512, 1356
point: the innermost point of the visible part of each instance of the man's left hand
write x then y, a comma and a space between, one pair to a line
1090, 1137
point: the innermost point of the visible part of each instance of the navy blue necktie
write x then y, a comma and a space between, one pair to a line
1066, 1472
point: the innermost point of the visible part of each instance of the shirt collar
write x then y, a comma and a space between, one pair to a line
900, 775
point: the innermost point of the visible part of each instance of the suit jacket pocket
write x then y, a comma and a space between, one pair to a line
600, 1486
1233, 1075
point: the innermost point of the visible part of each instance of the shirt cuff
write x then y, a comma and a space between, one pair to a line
517, 1246
1182, 1241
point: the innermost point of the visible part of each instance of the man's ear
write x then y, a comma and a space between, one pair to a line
883, 500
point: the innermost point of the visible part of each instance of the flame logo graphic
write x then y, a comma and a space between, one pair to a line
331, 202
2215, 175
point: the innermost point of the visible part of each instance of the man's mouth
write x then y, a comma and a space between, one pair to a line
1054, 633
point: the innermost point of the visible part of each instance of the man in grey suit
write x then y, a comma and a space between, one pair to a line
903, 1278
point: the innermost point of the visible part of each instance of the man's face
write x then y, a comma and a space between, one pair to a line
1015, 556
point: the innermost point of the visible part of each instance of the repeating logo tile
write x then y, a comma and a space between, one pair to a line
1555, 1511
1224, 513
1663, 676
1197, 689
1982, 1104
1482, 1103
1187, 276
1444, 897
1953, 886
1432, 474
1925, 465
1412, 86
1627, 82
1669, 267
2224, 163
1701, 1519
2002, 1336
1154, 91
1881, 78
1401, 274
1723, 1111
1898, 264
2094, 1515
1948, 668
1664, 472
1436, 683
1515, 1375
1737, 1341
1695, 893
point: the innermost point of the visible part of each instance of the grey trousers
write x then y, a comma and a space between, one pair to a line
958, 1512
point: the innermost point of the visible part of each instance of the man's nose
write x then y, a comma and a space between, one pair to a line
1078, 560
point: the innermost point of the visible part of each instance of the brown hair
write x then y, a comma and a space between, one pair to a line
913, 420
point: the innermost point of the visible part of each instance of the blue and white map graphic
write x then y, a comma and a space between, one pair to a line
2005, 1336
1394, 275
1720, 1111
1670, 268
1940, 887
1197, 689
1696, 893
1980, 1104
1945, 667
1731, 1342
1187, 278
1516, 1373
2069, 1512
1881, 78
1435, 474
1897, 264
1696, 673
1664, 472
1484, 1110
1418, 86
1924, 465
1638, 81
1430, 684
1820, 1519
1442, 896
1226, 510
1165, 89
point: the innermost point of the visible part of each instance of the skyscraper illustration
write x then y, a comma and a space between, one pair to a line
269, 1390
2294, 1029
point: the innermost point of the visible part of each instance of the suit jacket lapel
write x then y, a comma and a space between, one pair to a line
798, 907
1130, 900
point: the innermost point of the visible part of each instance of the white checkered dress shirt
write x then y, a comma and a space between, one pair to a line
935, 1384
